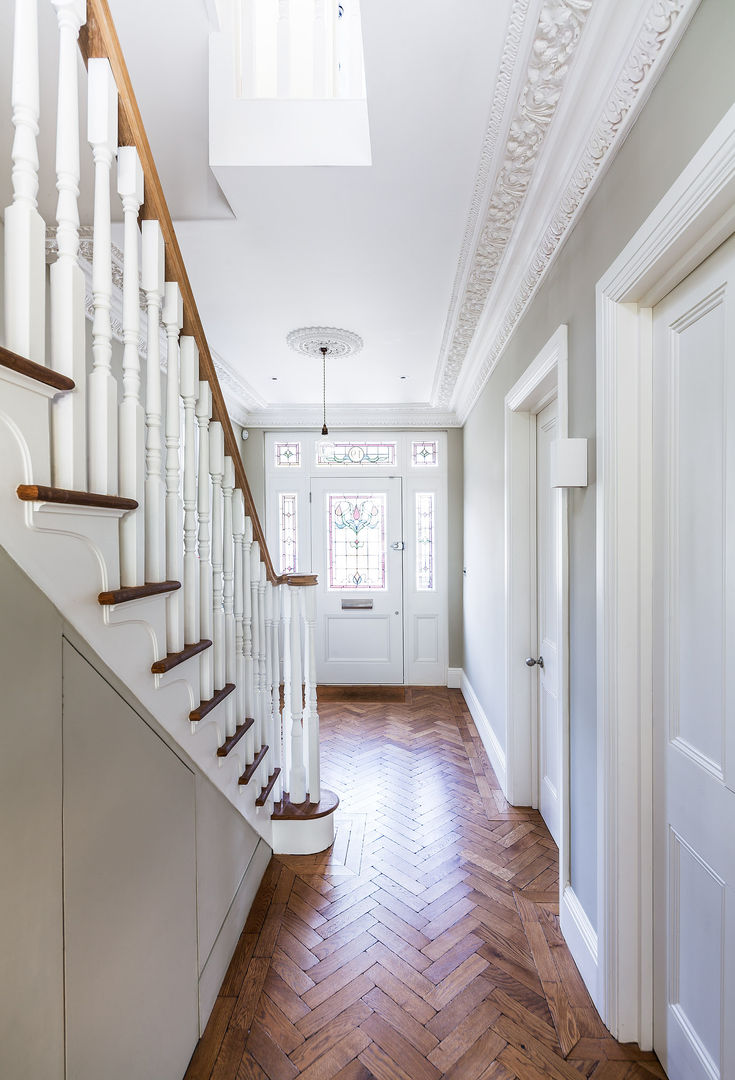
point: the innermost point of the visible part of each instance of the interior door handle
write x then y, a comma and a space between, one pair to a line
531, 662
398, 545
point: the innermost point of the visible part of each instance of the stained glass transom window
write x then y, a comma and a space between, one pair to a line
424, 453
289, 531
288, 453
425, 541
357, 549
356, 453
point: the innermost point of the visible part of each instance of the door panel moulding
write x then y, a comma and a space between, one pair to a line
694, 217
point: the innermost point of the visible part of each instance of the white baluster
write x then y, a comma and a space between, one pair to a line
25, 231
283, 47
247, 50
152, 280
298, 772
265, 703
189, 359
203, 412
255, 624
228, 566
247, 638
102, 388
69, 423
276, 689
217, 469
173, 320
131, 418
238, 533
311, 715
321, 80
286, 599
268, 673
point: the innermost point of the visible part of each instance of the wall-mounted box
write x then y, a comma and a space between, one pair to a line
569, 463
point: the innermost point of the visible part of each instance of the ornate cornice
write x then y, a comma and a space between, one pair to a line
422, 415
665, 21
555, 40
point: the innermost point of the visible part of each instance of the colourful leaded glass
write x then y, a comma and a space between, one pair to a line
357, 550
288, 453
425, 541
356, 453
424, 453
289, 532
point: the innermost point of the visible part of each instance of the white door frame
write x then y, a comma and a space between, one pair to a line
695, 216
542, 381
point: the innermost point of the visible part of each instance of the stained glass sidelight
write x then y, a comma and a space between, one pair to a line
288, 453
356, 453
425, 541
357, 549
424, 453
289, 531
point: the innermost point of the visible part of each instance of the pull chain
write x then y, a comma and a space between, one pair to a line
323, 350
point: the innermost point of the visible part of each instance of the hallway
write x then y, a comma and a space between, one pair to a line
425, 943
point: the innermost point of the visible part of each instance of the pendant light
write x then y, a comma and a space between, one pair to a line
323, 351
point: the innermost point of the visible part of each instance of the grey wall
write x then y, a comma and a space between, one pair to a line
159, 870
692, 95
253, 456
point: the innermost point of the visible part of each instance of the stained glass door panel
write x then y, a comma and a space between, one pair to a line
357, 554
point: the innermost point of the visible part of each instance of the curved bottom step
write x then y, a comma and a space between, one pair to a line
304, 828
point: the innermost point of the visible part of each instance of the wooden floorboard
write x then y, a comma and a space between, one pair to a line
425, 943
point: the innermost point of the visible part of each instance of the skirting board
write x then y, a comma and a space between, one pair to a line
484, 729
581, 938
454, 678
219, 958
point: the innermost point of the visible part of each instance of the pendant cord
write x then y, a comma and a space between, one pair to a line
323, 350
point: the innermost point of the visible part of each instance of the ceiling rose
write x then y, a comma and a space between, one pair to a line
311, 340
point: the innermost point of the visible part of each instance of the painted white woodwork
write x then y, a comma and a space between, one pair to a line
25, 231
238, 535
69, 422
568, 463
356, 645
131, 416
277, 744
693, 683
264, 698
247, 49
258, 737
189, 359
247, 638
270, 725
172, 316
322, 80
204, 505
311, 714
217, 470
546, 643
102, 388
152, 282
297, 770
228, 579
283, 49
691, 220
287, 713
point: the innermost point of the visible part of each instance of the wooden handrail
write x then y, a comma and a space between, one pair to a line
99, 39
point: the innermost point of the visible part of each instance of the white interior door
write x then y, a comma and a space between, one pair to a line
547, 592
357, 553
694, 693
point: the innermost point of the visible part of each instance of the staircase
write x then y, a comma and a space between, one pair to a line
123, 493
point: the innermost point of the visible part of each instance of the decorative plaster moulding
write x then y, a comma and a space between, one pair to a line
495, 282
353, 416
310, 340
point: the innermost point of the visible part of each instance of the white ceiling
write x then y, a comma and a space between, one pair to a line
426, 252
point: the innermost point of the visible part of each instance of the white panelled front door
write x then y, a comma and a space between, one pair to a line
549, 713
694, 676
356, 545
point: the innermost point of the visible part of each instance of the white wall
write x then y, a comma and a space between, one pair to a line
158, 865
690, 98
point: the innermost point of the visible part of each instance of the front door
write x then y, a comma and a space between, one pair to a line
357, 553
694, 675
547, 586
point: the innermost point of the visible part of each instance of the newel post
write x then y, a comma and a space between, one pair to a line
311, 715
298, 772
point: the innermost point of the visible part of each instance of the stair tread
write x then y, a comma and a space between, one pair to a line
250, 770
35, 371
37, 492
205, 707
263, 797
135, 592
285, 810
227, 745
173, 659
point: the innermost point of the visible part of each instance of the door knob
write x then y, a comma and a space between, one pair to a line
531, 662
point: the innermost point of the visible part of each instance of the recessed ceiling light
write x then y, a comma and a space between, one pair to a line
404, 377
274, 378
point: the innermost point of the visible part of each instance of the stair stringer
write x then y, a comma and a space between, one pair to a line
71, 553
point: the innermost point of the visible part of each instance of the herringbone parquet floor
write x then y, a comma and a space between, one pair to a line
426, 942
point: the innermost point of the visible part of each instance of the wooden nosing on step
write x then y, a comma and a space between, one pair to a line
38, 493
285, 810
35, 371
205, 707
250, 770
263, 797
224, 749
173, 659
